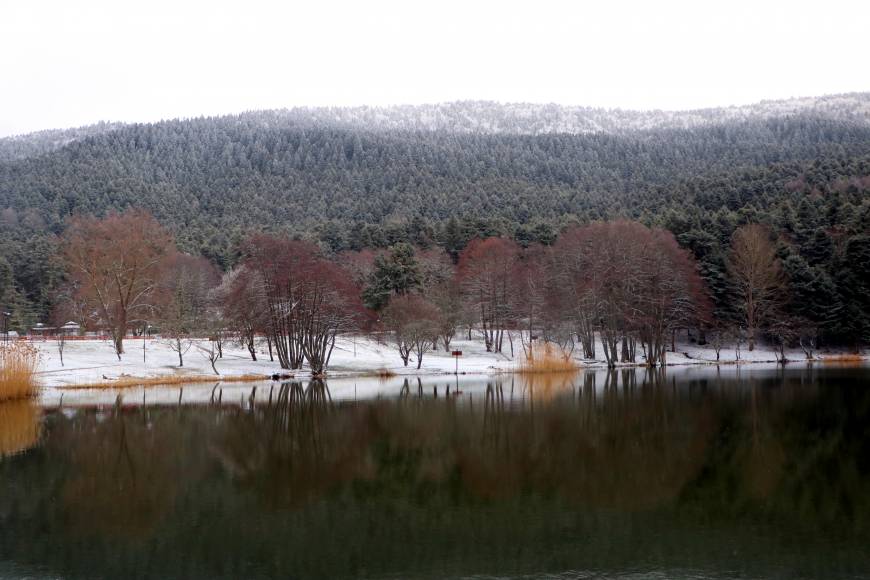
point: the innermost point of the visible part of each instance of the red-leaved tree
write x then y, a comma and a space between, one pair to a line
309, 300
630, 283
116, 263
486, 269
242, 302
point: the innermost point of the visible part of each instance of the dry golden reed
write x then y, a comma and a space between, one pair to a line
843, 358
19, 426
548, 358
18, 364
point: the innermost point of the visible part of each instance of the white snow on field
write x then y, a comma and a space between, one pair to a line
94, 361
89, 362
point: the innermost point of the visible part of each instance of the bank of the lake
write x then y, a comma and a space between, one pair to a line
94, 363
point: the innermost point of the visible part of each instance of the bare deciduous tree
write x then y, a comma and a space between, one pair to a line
448, 298
116, 263
633, 283
67, 308
757, 274
183, 300
528, 296
210, 353
784, 331
808, 333
241, 299
412, 322
309, 300
720, 335
329, 305
278, 263
485, 272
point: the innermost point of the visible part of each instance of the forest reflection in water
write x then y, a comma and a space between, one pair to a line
621, 472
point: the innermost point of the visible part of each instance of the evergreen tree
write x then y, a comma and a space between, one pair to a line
452, 238
7, 282
396, 273
853, 279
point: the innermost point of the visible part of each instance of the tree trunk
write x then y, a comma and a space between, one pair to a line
252, 347
119, 344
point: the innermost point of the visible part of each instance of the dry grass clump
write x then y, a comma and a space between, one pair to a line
548, 358
18, 364
19, 426
128, 382
383, 373
843, 358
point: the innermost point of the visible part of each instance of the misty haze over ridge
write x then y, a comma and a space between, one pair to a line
486, 117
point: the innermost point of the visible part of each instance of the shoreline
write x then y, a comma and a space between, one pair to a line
352, 385
92, 364
131, 382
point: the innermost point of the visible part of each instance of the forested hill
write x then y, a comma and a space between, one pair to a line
538, 119
32, 144
372, 177
490, 117
211, 175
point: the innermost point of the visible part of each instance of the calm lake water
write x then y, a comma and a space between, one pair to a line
761, 473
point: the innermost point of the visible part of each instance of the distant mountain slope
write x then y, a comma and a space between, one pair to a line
489, 118
32, 144
537, 119
240, 171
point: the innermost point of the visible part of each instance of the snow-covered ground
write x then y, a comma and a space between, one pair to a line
88, 362
93, 362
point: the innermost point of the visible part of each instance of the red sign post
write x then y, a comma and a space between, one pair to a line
456, 354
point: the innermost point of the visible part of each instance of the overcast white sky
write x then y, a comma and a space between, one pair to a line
69, 63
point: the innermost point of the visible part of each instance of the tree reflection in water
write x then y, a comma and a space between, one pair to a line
121, 479
623, 470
